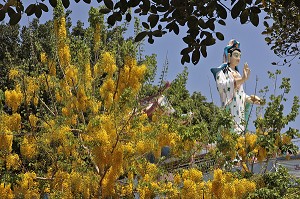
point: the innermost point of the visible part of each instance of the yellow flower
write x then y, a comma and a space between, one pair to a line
13, 73
6, 139
97, 37
5, 191
72, 75
251, 140
286, 139
13, 99
33, 120
43, 57
28, 147
12, 161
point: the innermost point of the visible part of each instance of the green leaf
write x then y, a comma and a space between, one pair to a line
196, 56
268, 40
2, 15
255, 9
128, 17
15, 18
66, 3
30, 9
111, 20
186, 50
220, 36
43, 7
222, 22
157, 33
236, 9
141, 36
10, 11
53, 3
188, 40
254, 19
38, 12
175, 28
20, 7
150, 39
244, 16
185, 59
221, 11
203, 51
133, 3
153, 19
109, 4
211, 24
266, 24
202, 24
118, 16
104, 10
145, 25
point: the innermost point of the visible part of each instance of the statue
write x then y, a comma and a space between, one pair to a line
230, 86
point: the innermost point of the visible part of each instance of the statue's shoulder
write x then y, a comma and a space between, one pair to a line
215, 71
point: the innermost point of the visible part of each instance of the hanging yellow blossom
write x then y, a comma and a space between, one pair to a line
52, 67
14, 122
43, 57
5, 191
251, 140
286, 139
28, 147
6, 139
12, 161
13, 98
97, 37
13, 73
72, 76
33, 120
27, 186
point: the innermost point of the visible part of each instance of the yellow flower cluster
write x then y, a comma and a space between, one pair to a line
130, 76
13, 73
6, 139
33, 120
72, 76
286, 139
13, 98
27, 186
12, 161
43, 58
12, 122
32, 88
5, 191
74, 184
192, 174
28, 147
97, 37
52, 67
82, 99
107, 65
225, 186
63, 48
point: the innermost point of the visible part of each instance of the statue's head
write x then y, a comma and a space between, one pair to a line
232, 46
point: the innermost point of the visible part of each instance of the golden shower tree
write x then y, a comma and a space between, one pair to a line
73, 127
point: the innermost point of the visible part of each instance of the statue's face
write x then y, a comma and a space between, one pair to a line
235, 58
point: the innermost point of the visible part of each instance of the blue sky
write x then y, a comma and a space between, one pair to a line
254, 51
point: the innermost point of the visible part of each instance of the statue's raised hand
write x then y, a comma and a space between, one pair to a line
246, 71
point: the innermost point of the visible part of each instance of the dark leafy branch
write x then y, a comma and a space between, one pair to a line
199, 17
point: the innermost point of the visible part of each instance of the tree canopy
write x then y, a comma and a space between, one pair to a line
200, 18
